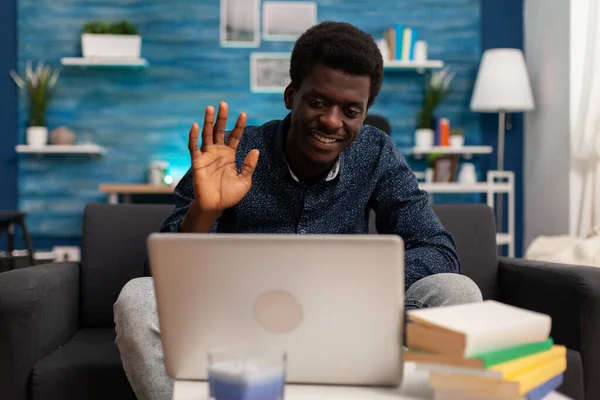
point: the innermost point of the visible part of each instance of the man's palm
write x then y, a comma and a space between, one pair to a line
217, 183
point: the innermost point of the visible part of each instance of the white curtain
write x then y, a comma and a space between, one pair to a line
585, 138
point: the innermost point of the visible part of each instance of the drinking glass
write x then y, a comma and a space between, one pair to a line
246, 373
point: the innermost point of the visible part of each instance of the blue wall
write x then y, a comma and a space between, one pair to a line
496, 16
144, 115
8, 102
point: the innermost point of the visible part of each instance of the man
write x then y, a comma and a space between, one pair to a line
317, 171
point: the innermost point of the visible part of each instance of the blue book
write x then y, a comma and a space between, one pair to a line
399, 35
413, 39
541, 391
436, 132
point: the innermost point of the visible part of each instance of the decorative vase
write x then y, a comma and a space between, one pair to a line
62, 135
424, 138
158, 172
37, 136
420, 51
457, 141
429, 175
467, 174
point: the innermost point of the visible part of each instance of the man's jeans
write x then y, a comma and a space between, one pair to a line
138, 335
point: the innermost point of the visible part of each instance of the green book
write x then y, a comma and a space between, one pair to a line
512, 353
482, 360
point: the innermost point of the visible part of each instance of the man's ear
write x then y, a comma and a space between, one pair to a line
288, 96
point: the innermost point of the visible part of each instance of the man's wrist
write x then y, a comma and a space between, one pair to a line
197, 220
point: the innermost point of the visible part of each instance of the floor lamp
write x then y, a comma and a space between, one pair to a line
502, 86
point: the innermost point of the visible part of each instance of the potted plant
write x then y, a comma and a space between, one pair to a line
99, 39
457, 138
38, 84
436, 90
430, 171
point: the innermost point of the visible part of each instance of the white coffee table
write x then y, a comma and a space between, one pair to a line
414, 387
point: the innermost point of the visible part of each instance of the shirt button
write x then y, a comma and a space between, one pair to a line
302, 231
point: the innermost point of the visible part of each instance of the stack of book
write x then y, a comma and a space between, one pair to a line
485, 350
401, 42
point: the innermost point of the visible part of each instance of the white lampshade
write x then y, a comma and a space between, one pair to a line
502, 83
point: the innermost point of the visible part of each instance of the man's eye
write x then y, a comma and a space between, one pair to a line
317, 103
352, 113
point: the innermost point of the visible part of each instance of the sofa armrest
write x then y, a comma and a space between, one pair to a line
570, 294
39, 309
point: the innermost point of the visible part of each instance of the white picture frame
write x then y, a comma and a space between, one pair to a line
239, 23
287, 20
269, 72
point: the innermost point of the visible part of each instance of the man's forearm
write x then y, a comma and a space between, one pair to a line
198, 221
429, 260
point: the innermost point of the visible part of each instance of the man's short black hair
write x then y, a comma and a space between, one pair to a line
341, 46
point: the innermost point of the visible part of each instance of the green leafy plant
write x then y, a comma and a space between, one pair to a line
116, 28
457, 132
123, 28
96, 27
38, 84
431, 159
436, 90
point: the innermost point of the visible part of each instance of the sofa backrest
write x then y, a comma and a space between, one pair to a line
113, 252
474, 231
473, 228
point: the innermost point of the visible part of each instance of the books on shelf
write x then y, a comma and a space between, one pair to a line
485, 350
401, 42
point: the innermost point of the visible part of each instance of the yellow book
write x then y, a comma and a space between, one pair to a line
506, 370
512, 369
486, 386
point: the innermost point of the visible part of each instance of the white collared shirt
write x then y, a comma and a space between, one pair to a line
333, 172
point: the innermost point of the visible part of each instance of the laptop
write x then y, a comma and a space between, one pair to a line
333, 303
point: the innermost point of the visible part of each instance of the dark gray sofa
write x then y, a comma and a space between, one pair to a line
56, 322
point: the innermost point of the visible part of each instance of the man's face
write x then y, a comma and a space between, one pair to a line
327, 112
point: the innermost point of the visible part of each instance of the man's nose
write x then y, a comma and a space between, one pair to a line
332, 119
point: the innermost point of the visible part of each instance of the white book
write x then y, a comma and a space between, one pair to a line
470, 329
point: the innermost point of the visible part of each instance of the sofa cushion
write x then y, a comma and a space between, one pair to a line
474, 232
87, 367
113, 253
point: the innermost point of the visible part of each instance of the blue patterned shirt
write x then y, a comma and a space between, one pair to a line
371, 174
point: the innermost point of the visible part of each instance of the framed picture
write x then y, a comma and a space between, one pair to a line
240, 23
269, 72
287, 20
445, 169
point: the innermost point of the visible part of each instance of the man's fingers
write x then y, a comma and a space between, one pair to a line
219, 130
207, 128
193, 140
236, 133
250, 164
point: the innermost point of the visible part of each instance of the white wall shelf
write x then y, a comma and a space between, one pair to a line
89, 149
419, 66
465, 151
83, 62
457, 187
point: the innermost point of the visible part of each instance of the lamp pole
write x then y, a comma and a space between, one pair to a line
501, 129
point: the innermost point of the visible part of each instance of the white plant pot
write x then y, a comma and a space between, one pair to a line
424, 138
429, 175
457, 141
37, 136
111, 46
